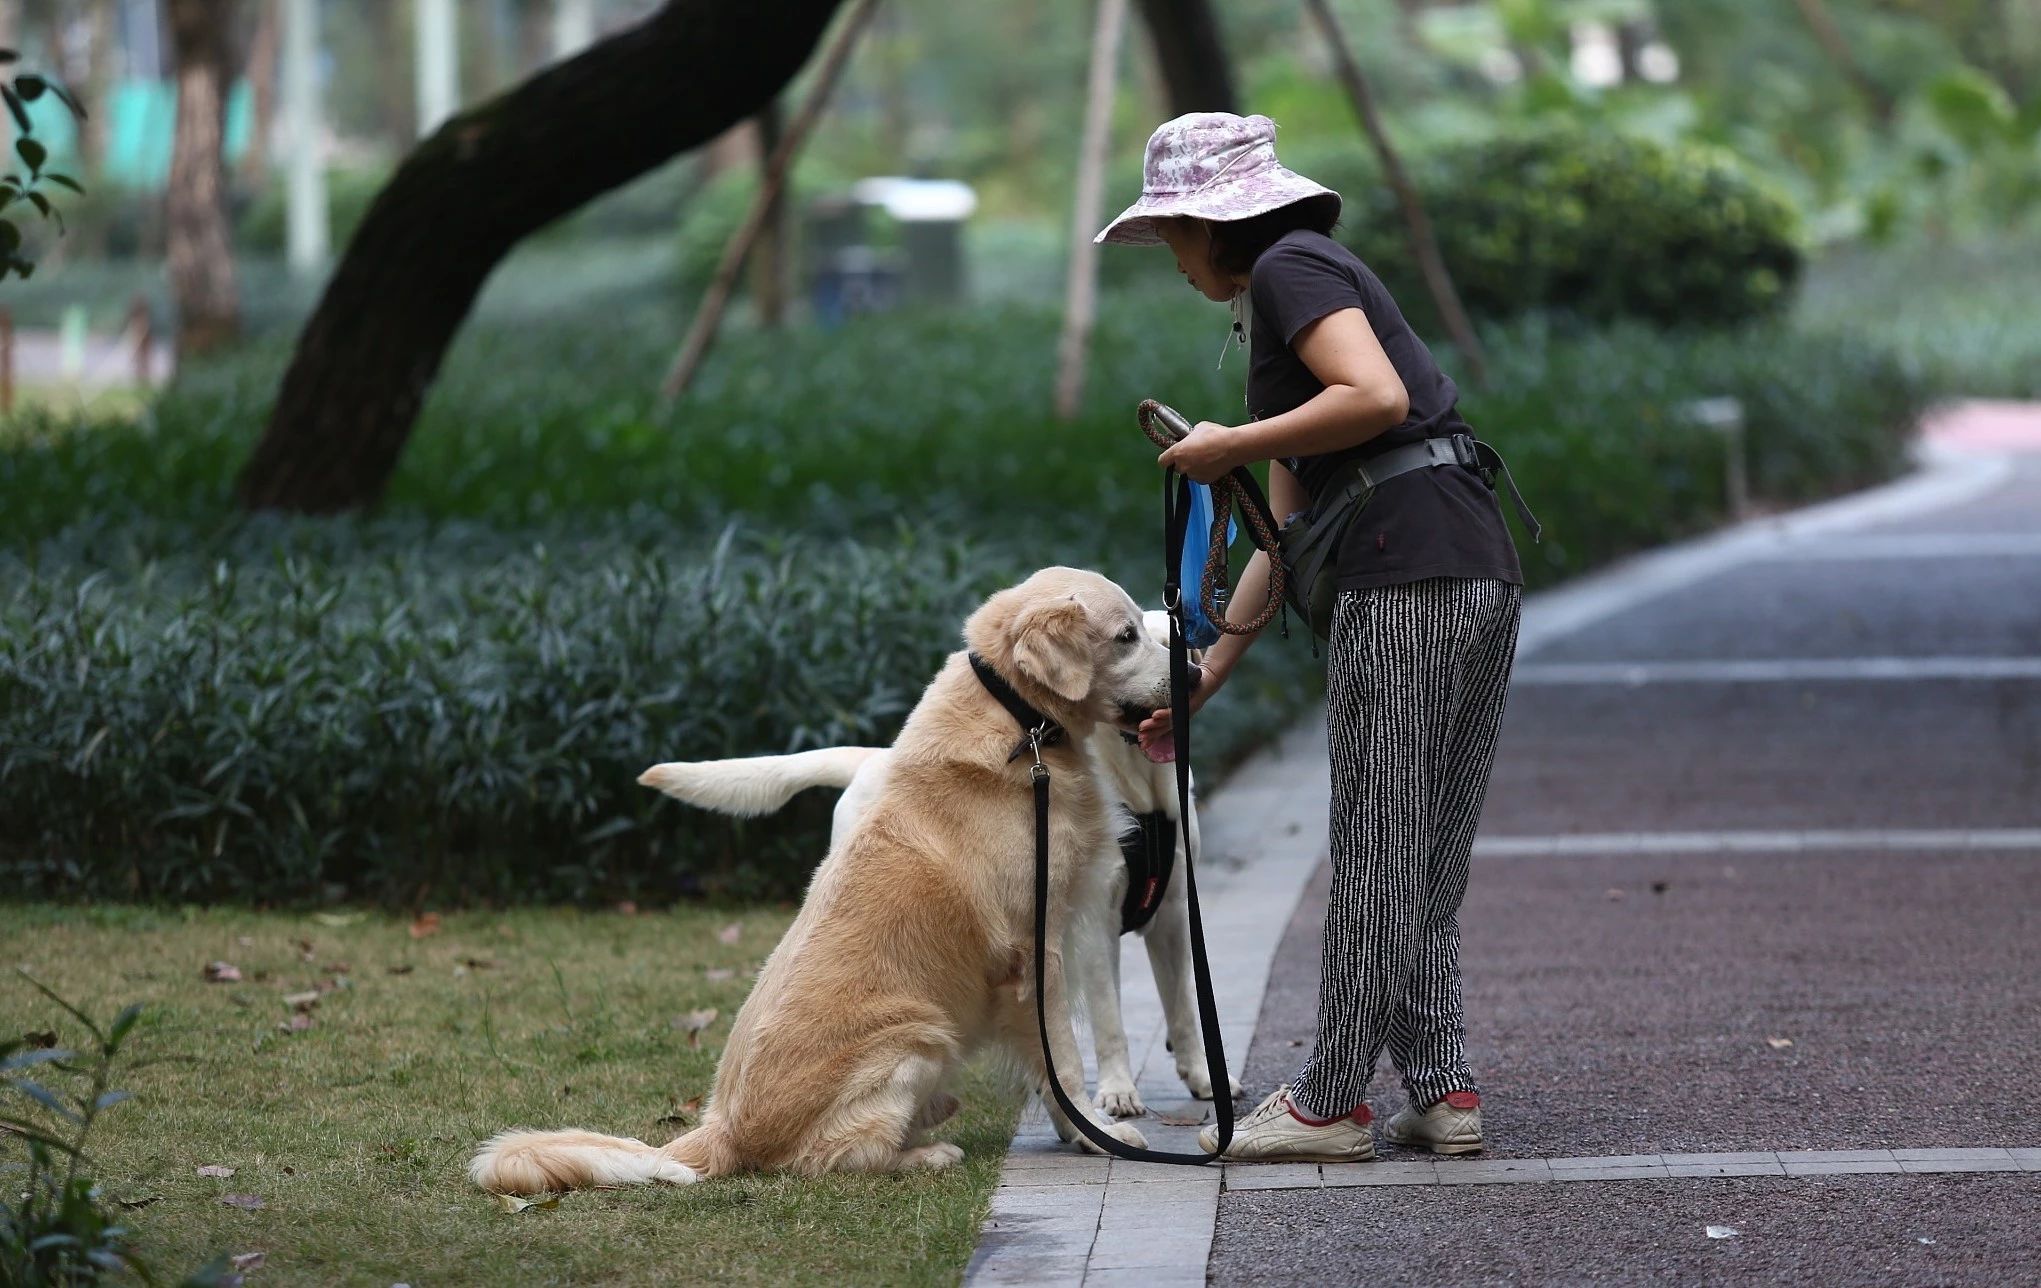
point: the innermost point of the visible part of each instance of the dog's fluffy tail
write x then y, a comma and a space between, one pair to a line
548, 1162
756, 785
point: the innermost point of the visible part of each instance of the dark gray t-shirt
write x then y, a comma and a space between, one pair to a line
1441, 522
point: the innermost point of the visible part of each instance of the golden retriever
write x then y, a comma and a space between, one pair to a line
914, 944
749, 786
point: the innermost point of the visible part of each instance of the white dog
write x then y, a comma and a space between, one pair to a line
756, 785
914, 945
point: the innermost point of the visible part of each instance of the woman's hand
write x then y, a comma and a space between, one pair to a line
1206, 454
1158, 732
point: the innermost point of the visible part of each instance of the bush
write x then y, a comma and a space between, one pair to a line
462, 691
1588, 223
294, 710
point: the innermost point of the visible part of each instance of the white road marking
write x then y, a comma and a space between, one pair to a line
1404, 1169
1885, 547
1779, 842
1780, 670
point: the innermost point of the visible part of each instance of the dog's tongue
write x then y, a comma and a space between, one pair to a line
1162, 753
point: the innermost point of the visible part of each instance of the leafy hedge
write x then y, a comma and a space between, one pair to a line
460, 692
1585, 222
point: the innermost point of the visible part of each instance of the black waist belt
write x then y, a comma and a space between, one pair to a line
1451, 449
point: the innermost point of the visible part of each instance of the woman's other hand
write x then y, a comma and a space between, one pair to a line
1208, 452
1158, 732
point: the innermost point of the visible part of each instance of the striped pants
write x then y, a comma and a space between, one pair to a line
1416, 678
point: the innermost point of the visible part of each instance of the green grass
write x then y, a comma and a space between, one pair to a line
354, 1133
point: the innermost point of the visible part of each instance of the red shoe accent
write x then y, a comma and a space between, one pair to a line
1362, 1115
1463, 1099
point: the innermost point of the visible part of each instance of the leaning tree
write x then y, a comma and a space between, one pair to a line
483, 181
496, 173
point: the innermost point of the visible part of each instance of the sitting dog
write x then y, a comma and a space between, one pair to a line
914, 944
1147, 835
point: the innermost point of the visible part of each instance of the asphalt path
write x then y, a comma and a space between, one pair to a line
1868, 977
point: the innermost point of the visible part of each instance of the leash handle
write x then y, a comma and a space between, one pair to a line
1165, 426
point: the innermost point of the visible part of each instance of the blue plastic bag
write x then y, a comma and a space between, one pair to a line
1199, 630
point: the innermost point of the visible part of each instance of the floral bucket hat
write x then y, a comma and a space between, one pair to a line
1210, 165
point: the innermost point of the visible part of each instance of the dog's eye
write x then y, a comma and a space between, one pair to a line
1129, 635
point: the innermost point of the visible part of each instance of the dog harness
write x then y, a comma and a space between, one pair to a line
1150, 851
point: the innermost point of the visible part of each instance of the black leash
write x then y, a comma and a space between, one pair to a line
1037, 730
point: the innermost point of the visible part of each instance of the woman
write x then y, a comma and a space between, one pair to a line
1419, 657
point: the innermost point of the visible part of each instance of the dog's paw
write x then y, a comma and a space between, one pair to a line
931, 1158
1125, 1133
1199, 1083
1120, 1100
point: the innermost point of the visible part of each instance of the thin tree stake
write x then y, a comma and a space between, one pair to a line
710, 316
1080, 292
1424, 244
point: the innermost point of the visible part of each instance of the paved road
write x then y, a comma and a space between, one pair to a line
1634, 993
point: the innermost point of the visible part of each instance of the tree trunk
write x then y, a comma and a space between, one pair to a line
1832, 41
263, 51
1424, 246
1192, 55
769, 255
474, 189
201, 257
1080, 288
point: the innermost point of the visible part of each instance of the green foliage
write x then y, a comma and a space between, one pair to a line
1586, 222
30, 188
267, 713
56, 1228
349, 193
463, 690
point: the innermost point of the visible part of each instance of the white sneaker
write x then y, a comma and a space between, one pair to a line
1276, 1133
1452, 1126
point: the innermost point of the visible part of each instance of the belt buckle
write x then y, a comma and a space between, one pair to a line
1464, 453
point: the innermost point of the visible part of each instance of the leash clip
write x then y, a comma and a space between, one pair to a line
1039, 772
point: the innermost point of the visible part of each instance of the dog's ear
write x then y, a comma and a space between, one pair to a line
1052, 648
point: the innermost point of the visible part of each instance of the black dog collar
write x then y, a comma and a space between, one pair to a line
1037, 730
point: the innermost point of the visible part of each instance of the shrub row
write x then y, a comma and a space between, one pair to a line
1580, 221
460, 693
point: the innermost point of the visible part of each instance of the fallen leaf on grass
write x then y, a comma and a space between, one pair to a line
427, 924
336, 918
222, 973
41, 1041
248, 1260
301, 1001
478, 963
693, 1023
1778, 1044
305, 952
214, 1169
717, 974
512, 1203
684, 1116
402, 968
339, 968
246, 1202
1188, 1116
731, 933
142, 1202
298, 1023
